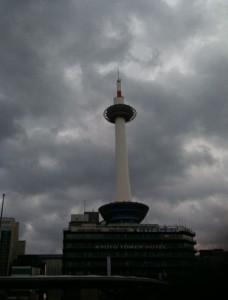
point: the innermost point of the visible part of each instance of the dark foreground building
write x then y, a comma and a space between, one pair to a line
126, 249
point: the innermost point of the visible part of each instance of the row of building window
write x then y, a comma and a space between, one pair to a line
126, 264
134, 255
131, 228
128, 236
115, 246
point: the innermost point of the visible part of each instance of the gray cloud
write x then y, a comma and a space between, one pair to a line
58, 69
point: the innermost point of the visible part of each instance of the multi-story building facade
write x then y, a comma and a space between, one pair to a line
10, 246
127, 249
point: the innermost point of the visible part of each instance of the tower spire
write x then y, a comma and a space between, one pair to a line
118, 86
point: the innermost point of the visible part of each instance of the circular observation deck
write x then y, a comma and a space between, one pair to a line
123, 212
119, 111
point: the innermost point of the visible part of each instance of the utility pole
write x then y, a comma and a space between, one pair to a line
3, 198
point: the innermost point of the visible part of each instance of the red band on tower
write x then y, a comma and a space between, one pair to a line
119, 94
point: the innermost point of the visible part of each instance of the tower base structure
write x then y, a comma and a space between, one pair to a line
123, 212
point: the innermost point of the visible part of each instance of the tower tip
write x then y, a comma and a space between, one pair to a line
119, 93
118, 73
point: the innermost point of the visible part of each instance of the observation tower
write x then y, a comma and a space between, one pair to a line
123, 209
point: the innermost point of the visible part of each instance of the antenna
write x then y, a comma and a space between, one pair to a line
118, 72
118, 85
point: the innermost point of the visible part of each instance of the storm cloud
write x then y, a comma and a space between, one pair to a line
59, 62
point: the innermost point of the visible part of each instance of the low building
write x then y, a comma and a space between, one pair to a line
45, 265
213, 265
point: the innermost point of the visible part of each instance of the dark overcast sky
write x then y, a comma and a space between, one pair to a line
58, 70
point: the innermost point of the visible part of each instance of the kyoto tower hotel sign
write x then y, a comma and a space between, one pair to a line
123, 209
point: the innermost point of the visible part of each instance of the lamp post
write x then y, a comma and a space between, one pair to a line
3, 198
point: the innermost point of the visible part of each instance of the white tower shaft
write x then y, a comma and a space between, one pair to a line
123, 190
123, 209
